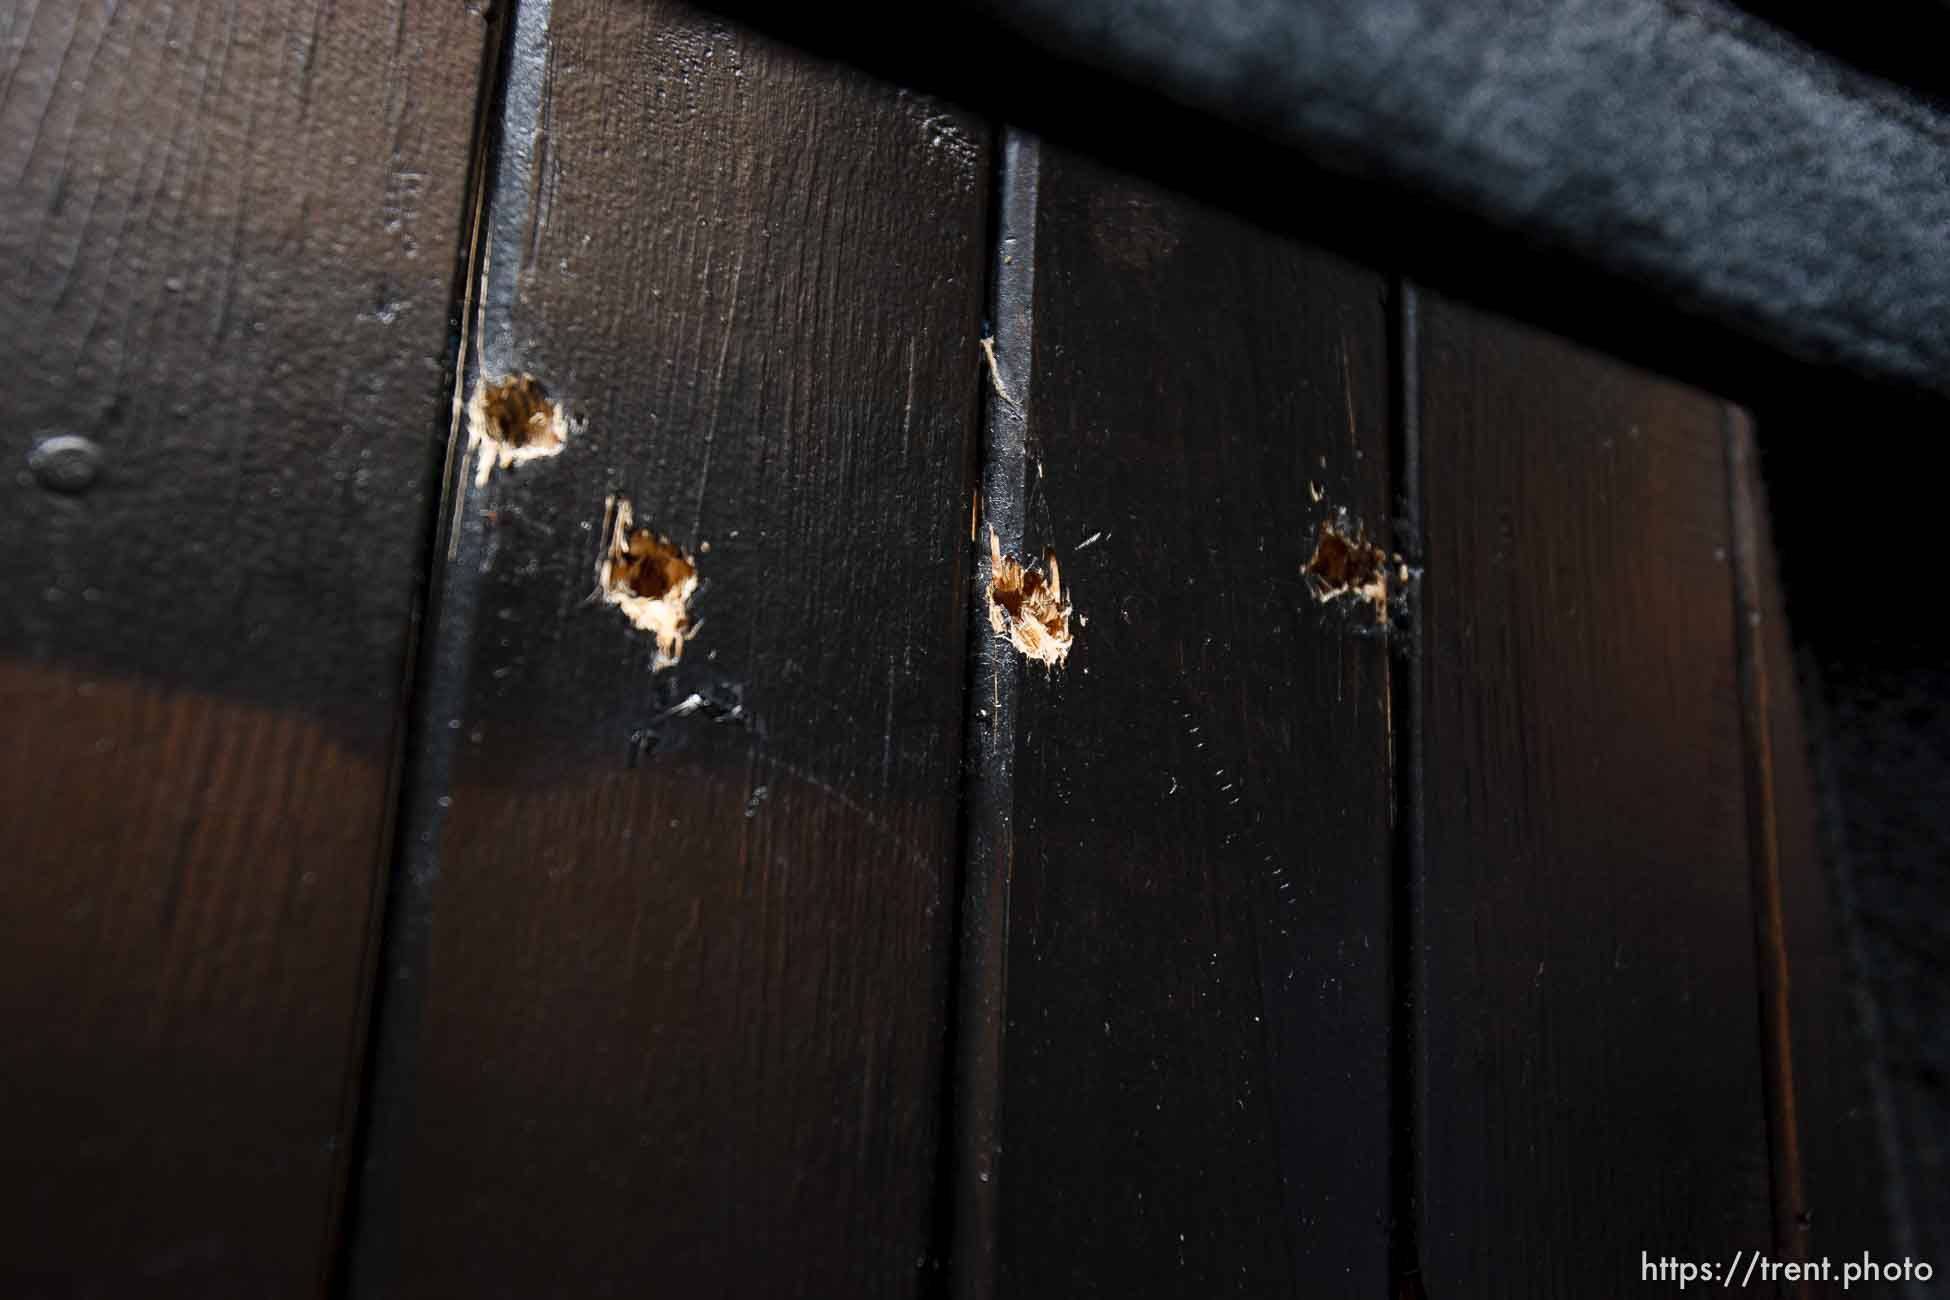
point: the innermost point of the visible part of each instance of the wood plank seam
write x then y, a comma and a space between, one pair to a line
705, 967
1407, 1069
1763, 847
1592, 1043
1199, 897
236, 232
994, 678
1833, 839
364, 1261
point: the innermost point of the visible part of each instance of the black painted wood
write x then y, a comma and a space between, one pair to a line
1591, 1086
988, 785
1758, 697
667, 1006
1840, 1124
667, 970
230, 236
1878, 697
1194, 1094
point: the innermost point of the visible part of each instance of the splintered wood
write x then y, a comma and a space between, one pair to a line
995, 376
650, 580
1346, 564
510, 420
1030, 611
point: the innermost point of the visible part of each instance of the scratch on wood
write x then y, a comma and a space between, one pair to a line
995, 376
1347, 388
718, 389
907, 411
866, 816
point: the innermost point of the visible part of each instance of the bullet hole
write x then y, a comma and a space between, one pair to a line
67, 463
511, 420
1029, 610
1346, 565
650, 579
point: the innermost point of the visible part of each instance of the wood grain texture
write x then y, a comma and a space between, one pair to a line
683, 1014
230, 234
1592, 1086
1194, 1094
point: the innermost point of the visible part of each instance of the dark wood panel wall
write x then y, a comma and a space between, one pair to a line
1827, 1104
1592, 1077
230, 236
1194, 1088
1456, 929
681, 1012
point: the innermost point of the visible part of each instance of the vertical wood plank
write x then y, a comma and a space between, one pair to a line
230, 233
1877, 694
1194, 1094
683, 1011
988, 785
1839, 1130
1764, 850
1592, 1084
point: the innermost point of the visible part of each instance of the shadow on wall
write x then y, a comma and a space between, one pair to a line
1855, 534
